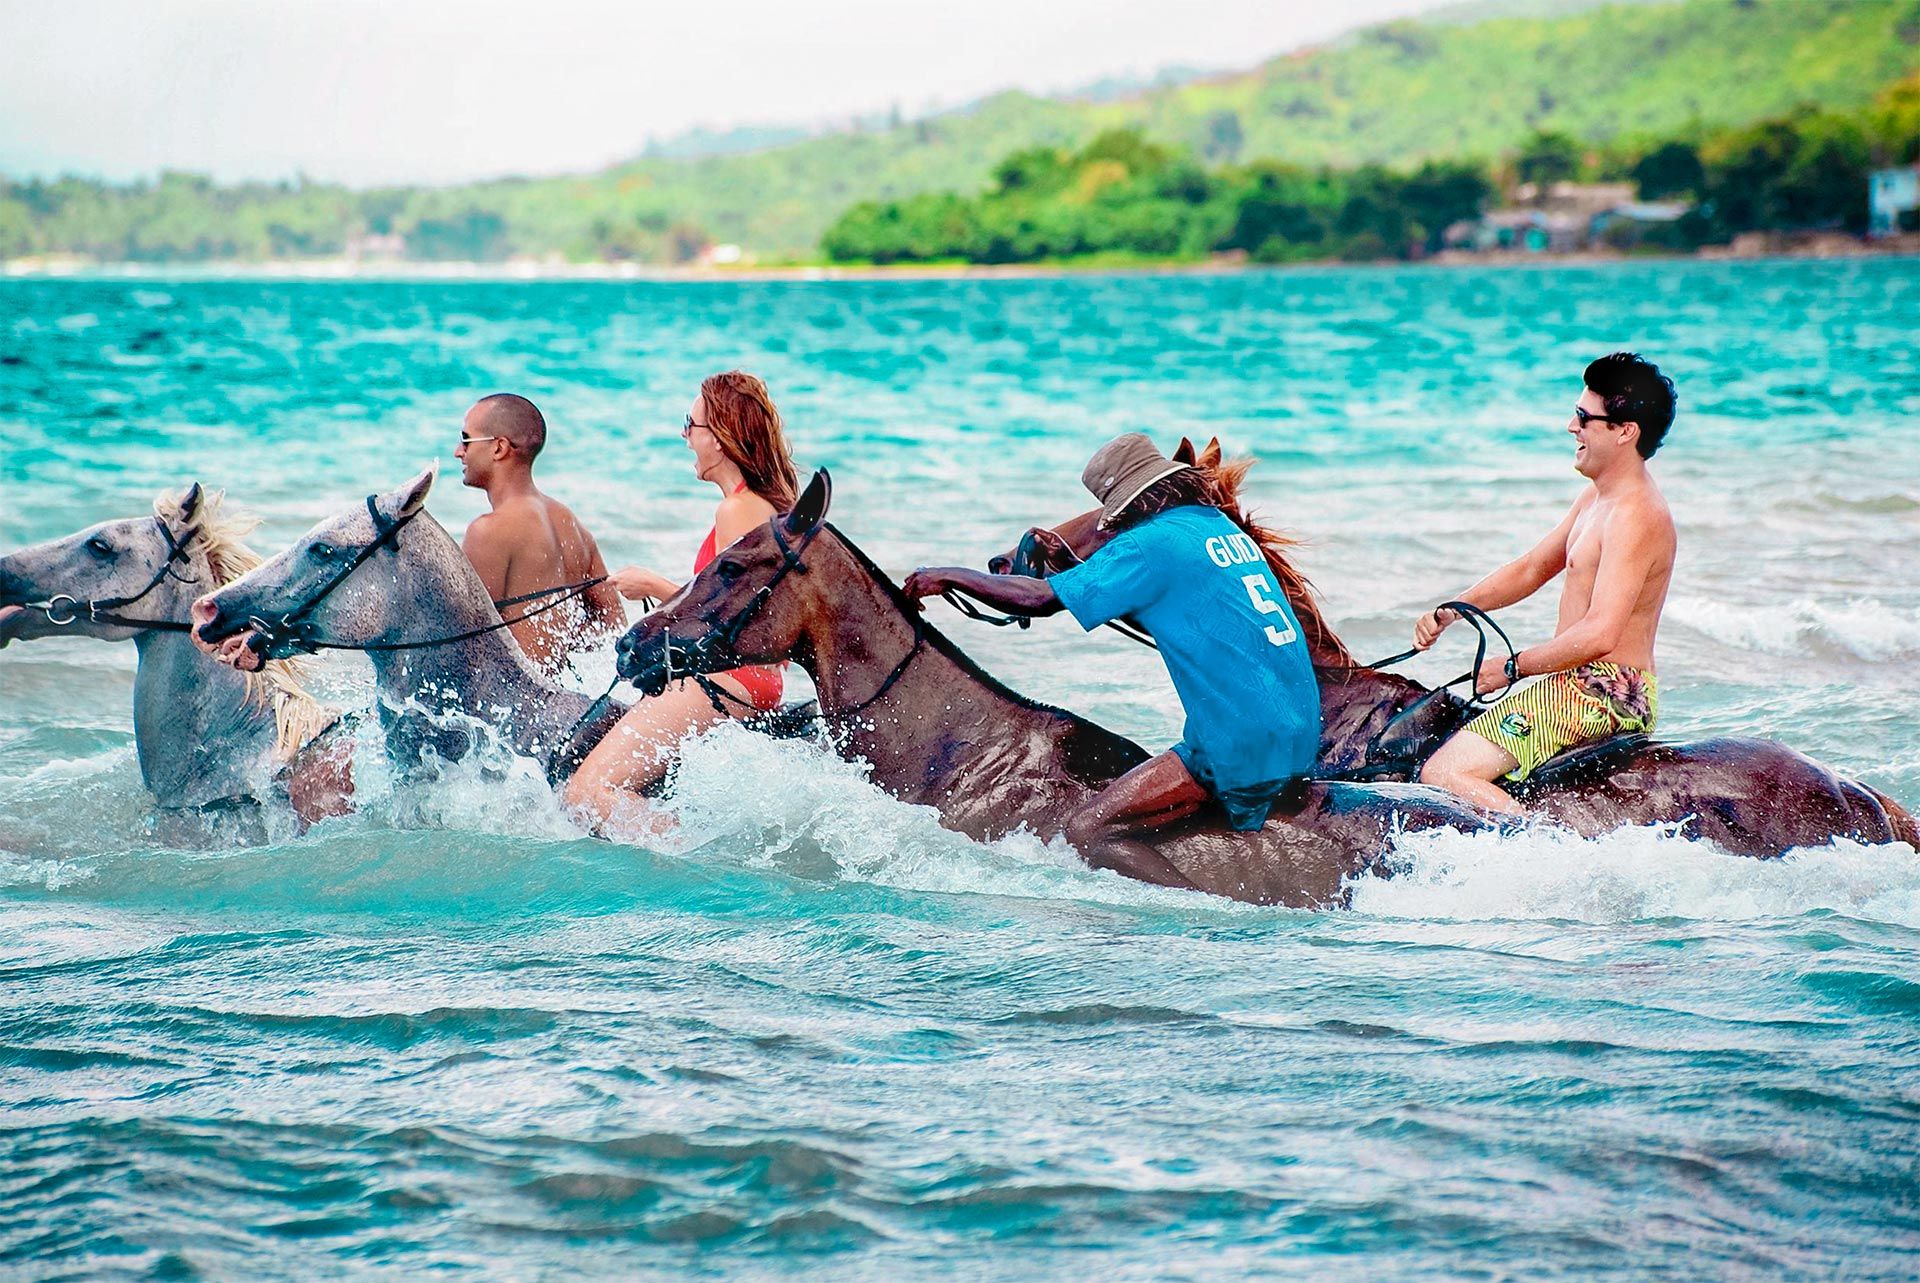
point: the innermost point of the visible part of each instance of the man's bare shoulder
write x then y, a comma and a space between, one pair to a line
487, 528
566, 521
1642, 515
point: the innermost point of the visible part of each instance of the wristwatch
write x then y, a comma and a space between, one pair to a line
1513, 668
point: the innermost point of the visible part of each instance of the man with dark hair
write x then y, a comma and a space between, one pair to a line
1201, 585
1616, 545
529, 543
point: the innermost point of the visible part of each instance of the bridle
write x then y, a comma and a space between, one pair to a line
105, 610
294, 631
715, 651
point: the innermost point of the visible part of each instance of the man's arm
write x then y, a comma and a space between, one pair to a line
1015, 594
1630, 548
1518, 580
490, 548
601, 603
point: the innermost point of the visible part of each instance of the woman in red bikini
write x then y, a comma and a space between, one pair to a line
738, 445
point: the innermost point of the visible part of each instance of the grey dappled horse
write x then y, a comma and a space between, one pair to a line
379, 578
204, 735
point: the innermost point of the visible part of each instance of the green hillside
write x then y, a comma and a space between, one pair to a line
1392, 94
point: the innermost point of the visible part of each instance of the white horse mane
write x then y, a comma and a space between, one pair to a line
297, 715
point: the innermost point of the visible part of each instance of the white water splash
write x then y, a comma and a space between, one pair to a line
1550, 873
794, 807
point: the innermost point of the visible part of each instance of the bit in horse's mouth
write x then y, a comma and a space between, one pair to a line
226, 640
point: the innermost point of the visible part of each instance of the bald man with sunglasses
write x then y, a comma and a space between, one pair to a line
530, 543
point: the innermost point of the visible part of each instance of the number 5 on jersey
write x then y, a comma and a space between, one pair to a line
1257, 592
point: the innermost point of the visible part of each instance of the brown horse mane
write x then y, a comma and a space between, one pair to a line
1226, 477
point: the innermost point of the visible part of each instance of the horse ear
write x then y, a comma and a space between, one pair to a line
811, 510
409, 498
1183, 453
1210, 457
188, 505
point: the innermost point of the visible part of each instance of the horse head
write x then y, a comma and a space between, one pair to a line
102, 580
1044, 551
734, 612
347, 580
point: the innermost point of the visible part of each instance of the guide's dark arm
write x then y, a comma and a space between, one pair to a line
1015, 594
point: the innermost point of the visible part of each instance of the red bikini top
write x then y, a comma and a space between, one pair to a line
707, 550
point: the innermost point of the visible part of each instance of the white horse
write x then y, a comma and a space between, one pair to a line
205, 735
386, 579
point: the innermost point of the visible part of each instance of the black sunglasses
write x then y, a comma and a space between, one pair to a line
1585, 418
687, 431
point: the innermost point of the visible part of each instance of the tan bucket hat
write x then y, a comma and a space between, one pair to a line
1121, 469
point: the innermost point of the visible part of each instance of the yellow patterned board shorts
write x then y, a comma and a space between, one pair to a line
1565, 710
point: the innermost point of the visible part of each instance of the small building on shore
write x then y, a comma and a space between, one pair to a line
1567, 217
1893, 200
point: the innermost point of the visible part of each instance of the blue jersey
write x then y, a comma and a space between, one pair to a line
1231, 643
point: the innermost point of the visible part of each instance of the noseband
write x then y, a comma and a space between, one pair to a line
715, 652
104, 610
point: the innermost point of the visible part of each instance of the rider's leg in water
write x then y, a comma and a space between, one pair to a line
1109, 827
605, 790
1467, 767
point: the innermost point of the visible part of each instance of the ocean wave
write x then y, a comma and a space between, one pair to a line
1858, 627
1544, 872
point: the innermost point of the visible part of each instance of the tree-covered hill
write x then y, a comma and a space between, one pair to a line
1392, 94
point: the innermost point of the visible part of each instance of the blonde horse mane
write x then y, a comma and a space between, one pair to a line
1226, 477
297, 715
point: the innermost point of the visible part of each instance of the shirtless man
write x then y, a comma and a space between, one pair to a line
1616, 545
530, 542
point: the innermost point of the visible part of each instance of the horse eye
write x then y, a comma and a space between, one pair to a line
731, 570
321, 552
99, 546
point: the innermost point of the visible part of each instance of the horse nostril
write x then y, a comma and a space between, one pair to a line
999, 565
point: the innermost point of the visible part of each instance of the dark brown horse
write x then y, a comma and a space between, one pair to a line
938, 731
1751, 796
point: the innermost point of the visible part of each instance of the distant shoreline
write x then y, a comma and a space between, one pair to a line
1755, 246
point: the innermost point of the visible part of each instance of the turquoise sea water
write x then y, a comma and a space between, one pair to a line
451, 1034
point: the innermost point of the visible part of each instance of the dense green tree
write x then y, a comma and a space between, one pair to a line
1546, 158
1671, 169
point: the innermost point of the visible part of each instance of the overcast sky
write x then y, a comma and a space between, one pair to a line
370, 91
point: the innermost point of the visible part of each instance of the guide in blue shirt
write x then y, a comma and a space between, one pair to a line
1183, 571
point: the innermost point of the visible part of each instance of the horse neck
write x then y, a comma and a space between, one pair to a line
197, 733
1356, 703
485, 677
940, 715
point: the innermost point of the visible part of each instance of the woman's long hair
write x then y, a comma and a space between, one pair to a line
741, 415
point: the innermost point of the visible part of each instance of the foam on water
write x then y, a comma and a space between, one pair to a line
1543, 872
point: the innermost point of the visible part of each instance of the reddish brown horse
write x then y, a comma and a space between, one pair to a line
938, 731
1752, 796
